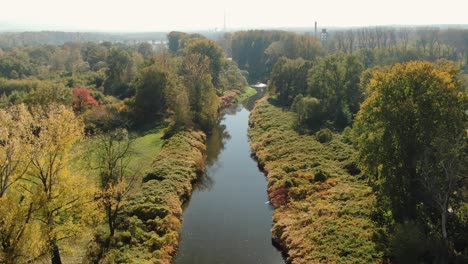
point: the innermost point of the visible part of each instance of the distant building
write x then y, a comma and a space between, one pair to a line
324, 35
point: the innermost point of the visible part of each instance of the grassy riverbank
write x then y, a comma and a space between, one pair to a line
150, 223
322, 213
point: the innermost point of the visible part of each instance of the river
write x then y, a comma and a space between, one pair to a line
228, 218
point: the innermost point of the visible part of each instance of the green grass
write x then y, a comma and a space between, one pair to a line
248, 92
322, 213
146, 148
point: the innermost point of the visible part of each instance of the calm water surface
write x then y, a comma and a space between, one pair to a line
228, 219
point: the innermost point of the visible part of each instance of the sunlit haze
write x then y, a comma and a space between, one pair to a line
147, 15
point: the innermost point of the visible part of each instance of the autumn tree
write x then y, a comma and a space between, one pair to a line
42, 205
412, 141
83, 99
19, 241
64, 200
15, 145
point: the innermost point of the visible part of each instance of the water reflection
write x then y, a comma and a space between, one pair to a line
228, 220
216, 141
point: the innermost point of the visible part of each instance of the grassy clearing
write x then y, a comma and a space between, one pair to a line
235, 96
144, 148
150, 223
322, 213
248, 92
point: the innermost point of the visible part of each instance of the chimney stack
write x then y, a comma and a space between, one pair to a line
315, 35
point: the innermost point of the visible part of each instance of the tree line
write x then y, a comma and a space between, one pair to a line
398, 96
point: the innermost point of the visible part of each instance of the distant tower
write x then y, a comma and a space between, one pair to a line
315, 34
324, 35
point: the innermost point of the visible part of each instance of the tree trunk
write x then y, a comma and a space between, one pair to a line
444, 249
444, 225
110, 219
56, 254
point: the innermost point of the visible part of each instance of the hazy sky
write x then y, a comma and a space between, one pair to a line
156, 15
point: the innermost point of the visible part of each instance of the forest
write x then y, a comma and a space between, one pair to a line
363, 138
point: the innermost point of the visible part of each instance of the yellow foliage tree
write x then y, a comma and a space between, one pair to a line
41, 204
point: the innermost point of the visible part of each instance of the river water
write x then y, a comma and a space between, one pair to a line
228, 219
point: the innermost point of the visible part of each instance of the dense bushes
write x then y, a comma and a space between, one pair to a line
149, 225
322, 213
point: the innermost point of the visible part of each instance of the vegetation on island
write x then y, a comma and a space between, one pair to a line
323, 212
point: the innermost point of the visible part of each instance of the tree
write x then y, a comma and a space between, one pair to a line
289, 78
212, 51
42, 205
335, 82
182, 114
47, 93
200, 90
146, 50
15, 145
63, 200
152, 87
309, 111
174, 40
16, 206
411, 138
112, 155
83, 99
120, 73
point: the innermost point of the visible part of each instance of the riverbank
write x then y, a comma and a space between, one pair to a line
151, 219
322, 212
235, 96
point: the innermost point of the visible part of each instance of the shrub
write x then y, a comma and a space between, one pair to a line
324, 135
320, 176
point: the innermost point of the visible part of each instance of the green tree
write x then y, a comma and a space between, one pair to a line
48, 93
152, 86
212, 51
112, 156
196, 78
411, 138
120, 73
146, 50
289, 78
335, 82
174, 40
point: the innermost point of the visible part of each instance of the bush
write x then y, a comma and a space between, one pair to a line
324, 135
320, 175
